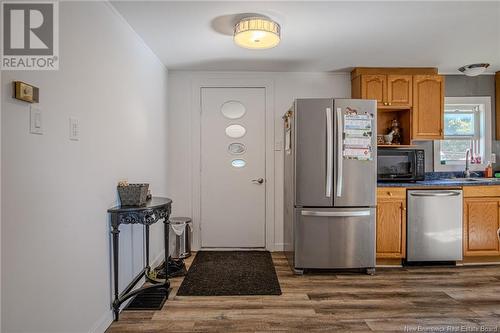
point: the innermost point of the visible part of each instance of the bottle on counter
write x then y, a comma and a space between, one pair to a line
488, 171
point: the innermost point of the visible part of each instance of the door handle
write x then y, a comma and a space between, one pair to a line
258, 181
329, 153
340, 147
336, 214
435, 194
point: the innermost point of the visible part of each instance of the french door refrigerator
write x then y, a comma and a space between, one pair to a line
330, 184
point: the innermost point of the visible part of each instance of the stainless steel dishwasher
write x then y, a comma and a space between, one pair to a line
434, 227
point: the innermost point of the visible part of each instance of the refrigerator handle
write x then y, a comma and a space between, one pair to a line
329, 152
340, 139
336, 214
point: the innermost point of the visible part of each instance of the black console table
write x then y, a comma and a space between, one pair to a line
155, 209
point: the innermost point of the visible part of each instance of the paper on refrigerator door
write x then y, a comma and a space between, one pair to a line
357, 138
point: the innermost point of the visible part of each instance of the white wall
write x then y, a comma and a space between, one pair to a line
55, 192
287, 87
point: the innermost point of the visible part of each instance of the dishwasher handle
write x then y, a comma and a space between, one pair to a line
435, 194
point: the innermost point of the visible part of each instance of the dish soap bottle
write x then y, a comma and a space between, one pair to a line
488, 171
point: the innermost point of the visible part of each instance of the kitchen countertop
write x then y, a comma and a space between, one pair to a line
444, 182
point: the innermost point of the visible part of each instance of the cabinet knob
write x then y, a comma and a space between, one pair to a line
389, 104
390, 194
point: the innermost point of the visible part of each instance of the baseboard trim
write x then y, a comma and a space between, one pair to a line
103, 323
277, 247
388, 266
480, 263
158, 260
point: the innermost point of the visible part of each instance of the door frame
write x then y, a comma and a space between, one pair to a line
195, 122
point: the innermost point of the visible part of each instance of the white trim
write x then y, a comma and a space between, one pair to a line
235, 248
485, 124
131, 29
103, 323
195, 134
389, 266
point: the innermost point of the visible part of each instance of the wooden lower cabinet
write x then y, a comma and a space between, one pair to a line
391, 223
481, 223
481, 226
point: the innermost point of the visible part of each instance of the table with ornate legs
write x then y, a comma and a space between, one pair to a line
156, 209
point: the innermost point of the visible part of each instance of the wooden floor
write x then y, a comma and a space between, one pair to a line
396, 299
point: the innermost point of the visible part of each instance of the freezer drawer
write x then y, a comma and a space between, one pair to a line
434, 225
331, 238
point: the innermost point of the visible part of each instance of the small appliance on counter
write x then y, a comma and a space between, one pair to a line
400, 164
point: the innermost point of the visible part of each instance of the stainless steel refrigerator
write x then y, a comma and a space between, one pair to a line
330, 184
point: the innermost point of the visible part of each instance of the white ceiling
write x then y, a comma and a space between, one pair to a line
321, 36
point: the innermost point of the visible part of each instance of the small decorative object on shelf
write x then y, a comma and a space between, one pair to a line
380, 139
132, 194
388, 139
396, 132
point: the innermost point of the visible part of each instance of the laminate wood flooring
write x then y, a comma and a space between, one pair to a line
417, 299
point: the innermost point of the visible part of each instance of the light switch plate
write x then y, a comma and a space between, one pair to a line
36, 123
74, 129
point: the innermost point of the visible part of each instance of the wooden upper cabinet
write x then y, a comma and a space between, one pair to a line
374, 87
428, 107
481, 226
399, 90
391, 223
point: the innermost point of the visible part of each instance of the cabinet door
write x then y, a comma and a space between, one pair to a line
481, 223
391, 228
428, 107
399, 90
374, 87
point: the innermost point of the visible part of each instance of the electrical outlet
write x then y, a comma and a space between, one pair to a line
493, 158
74, 129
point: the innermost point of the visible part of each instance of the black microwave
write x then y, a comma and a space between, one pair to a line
400, 164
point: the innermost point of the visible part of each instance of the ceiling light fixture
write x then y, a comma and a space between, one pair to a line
257, 33
474, 69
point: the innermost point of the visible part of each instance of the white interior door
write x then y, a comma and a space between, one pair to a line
233, 167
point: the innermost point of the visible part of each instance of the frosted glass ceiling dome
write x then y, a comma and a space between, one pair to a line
257, 33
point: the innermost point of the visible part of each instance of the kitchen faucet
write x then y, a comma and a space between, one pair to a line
467, 162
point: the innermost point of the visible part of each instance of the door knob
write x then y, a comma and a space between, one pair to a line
258, 181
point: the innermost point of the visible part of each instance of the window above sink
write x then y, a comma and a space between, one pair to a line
467, 125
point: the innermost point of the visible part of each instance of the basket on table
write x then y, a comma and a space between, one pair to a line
133, 194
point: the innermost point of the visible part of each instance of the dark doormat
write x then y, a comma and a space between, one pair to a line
231, 273
152, 299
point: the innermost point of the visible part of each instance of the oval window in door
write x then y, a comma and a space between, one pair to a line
236, 148
233, 110
238, 163
235, 131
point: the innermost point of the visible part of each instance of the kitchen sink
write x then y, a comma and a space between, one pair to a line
470, 180
461, 180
